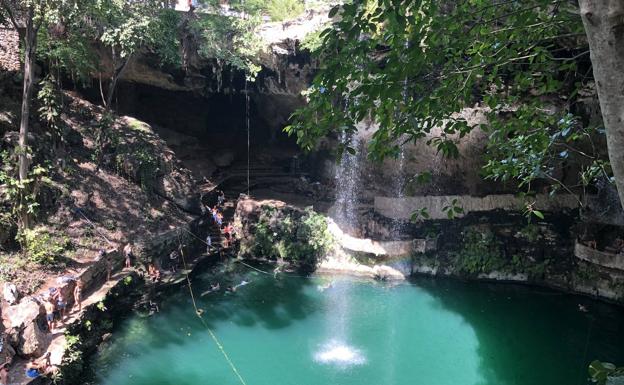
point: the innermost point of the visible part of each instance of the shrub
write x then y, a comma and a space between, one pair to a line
481, 253
280, 10
42, 247
291, 235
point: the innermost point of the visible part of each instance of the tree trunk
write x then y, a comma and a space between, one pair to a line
30, 45
604, 26
117, 73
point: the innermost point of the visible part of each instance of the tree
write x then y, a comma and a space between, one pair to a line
412, 66
126, 27
27, 16
604, 25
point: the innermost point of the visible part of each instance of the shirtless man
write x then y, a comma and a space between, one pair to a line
49, 308
78, 294
127, 250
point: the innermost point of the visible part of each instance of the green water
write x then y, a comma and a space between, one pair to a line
430, 332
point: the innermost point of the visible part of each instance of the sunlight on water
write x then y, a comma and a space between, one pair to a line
339, 354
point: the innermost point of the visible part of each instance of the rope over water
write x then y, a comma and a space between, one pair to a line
199, 315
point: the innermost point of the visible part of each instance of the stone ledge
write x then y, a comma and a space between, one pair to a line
402, 208
597, 257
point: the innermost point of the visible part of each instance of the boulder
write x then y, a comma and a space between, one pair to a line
22, 314
32, 341
384, 273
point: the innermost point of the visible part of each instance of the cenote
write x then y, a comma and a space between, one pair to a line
304, 331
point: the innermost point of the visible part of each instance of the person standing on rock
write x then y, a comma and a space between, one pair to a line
61, 304
127, 250
78, 294
221, 198
208, 243
173, 261
49, 308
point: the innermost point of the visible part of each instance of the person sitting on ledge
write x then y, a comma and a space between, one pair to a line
153, 272
35, 368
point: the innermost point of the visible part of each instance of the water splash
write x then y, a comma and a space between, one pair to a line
340, 354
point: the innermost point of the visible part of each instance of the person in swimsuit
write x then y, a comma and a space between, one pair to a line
49, 308
78, 294
128, 254
208, 243
173, 261
35, 369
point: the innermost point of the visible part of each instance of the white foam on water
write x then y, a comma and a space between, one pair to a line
340, 354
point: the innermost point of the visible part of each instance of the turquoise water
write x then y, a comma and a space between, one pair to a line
289, 331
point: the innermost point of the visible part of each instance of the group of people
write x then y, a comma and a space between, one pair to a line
227, 230
55, 304
43, 366
229, 289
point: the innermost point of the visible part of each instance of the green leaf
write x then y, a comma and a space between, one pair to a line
334, 11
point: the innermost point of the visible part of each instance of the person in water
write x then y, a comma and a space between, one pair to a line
153, 307
213, 288
243, 283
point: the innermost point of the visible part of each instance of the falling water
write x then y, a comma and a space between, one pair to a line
348, 186
400, 180
336, 348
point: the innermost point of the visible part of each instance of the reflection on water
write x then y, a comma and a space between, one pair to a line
286, 331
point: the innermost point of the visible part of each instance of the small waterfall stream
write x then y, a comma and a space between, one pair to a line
348, 181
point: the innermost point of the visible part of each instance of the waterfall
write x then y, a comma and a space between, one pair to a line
348, 186
336, 349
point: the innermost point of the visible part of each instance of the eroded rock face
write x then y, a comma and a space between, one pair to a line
32, 341
6, 352
22, 314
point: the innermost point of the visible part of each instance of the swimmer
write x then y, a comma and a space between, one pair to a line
213, 288
243, 283
582, 308
322, 288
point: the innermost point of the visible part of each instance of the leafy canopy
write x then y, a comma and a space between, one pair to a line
411, 67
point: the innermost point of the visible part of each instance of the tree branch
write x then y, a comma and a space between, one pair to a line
10, 12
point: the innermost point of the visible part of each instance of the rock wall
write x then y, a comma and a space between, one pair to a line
9, 49
402, 208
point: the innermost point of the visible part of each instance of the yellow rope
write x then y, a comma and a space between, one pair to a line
199, 315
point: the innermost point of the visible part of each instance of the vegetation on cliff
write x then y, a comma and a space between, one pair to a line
412, 67
293, 236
